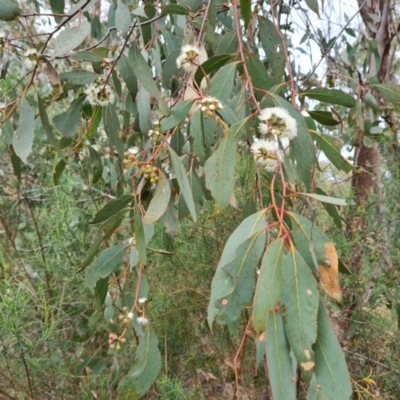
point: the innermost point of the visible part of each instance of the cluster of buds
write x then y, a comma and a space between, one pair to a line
150, 173
278, 122
130, 157
266, 154
114, 341
210, 104
3, 42
155, 133
188, 57
127, 317
32, 58
99, 94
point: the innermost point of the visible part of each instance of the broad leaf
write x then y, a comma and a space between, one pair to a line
313, 5
212, 64
68, 122
174, 9
145, 369
23, 136
300, 296
269, 284
389, 91
259, 76
220, 170
281, 366
70, 38
78, 77
178, 114
245, 10
222, 82
233, 282
9, 10
128, 75
122, 18
323, 117
107, 262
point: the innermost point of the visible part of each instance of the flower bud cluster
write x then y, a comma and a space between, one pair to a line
99, 94
188, 57
150, 173
130, 157
114, 341
155, 133
210, 104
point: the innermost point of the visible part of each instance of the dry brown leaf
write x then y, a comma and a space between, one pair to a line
329, 273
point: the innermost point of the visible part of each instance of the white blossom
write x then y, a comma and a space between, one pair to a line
277, 121
32, 58
188, 57
129, 315
266, 154
98, 94
142, 320
133, 150
142, 300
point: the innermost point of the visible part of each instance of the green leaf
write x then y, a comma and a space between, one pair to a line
145, 369
324, 117
139, 235
210, 65
389, 91
102, 234
269, 284
309, 240
70, 38
228, 43
47, 128
107, 262
57, 7
86, 56
159, 203
220, 170
331, 96
271, 43
302, 145
58, 170
300, 296
183, 182
313, 5
197, 132
23, 136
111, 208
259, 76
128, 75
78, 77
328, 145
331, 210
281, 366
326, 199
9, 10
333, 381
174, 9
68, 122
233, 282
222, 82
16, 163
245, 10
112, 128
95, 164
143, 71
178, 114
122, 18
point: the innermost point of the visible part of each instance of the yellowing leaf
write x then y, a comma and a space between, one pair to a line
329, 273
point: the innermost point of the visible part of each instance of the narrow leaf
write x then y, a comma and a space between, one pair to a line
23, 136
324, 117
108, 261
313, 5
220, 170
159, 203
245, 10
269, 284
9, 10
281, 367
111, 208
68, 122
139, 235
178, 114
122, 18
331, 96
326, 199
212, 64
389, 91
300, 296
78, 77
183, 182
145, 369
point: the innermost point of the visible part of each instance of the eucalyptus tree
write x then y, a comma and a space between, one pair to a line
154, 100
